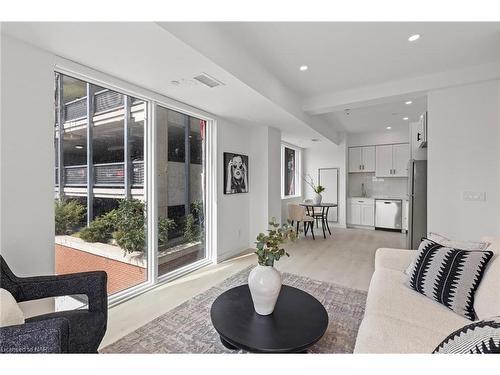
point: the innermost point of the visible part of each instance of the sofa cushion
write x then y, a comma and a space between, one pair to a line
379, 333
487, 299
388, 295
462, 245
449, 276
482, 337
394, 259
10, 313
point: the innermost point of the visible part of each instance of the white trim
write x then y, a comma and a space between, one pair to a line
298, 170
154, 100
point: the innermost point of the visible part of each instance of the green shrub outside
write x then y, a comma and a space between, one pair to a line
68, 215
100, 229
126, 224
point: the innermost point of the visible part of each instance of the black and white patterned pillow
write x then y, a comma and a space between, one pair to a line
449, 276
481, 337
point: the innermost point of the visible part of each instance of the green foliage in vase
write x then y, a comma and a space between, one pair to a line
68, 215
319, 189
269, 247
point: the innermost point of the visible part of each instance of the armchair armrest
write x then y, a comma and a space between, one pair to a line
92, 284
47, 336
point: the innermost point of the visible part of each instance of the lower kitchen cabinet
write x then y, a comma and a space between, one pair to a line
361, 211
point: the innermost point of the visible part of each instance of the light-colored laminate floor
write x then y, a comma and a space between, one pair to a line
346, 258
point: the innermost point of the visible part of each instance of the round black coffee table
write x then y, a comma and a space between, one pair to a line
299, 320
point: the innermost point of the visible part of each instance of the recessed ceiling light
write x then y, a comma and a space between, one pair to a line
414, 37
79, 147
405, 118
388, 127
303, 68
408, 102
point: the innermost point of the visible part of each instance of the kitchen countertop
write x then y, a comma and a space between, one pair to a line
382, 197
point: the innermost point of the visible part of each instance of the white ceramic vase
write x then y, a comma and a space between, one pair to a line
317, 198
265, 285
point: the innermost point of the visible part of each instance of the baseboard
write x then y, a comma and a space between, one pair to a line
233, 254
360, 227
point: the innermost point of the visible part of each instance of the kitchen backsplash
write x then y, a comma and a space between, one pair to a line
390, 186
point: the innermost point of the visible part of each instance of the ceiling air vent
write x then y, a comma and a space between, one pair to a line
207, 80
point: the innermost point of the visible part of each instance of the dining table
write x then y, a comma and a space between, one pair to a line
323, 214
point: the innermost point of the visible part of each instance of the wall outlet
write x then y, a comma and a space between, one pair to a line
474, 196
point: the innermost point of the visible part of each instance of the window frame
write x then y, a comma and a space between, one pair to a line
297, 174
153, 100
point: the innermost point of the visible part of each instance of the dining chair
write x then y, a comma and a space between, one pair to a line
317, 212
297, 214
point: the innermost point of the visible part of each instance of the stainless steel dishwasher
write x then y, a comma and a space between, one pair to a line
388, 213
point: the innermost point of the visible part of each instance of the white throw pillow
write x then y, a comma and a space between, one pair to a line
487, 299
10, 313
446, 242
462, 245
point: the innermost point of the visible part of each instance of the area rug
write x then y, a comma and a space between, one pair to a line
187, 328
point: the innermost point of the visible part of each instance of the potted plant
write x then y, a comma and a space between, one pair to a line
318, 189
264, 280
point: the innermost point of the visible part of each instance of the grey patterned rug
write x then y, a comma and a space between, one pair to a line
187, 328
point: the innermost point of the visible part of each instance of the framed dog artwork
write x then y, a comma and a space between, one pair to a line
235, 173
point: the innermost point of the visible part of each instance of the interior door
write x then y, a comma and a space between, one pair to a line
401, 156
368, 156
355, 159
329, 179
383, 165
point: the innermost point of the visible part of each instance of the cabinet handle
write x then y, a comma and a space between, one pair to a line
360, 167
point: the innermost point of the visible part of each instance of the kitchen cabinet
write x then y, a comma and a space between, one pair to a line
361, 211
368, 215
362, 159
392, 160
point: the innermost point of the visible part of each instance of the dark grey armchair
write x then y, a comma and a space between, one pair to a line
76, 331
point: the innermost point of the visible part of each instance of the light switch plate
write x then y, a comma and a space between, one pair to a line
474, 196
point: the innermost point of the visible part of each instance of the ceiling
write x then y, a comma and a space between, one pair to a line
146, 55
379, 117
258, 64
346, 55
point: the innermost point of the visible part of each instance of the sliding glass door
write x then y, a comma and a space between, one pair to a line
100, 201
122, 162
180, 189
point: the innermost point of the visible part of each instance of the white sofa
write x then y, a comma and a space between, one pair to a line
400, 320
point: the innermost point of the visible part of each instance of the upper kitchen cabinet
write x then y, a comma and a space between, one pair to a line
392, 160
362, 159
400, 159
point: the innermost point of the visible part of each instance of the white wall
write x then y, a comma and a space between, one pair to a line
379, 138
327, 155
265, 181
27, 158
464, 155
242, 216
233, 217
